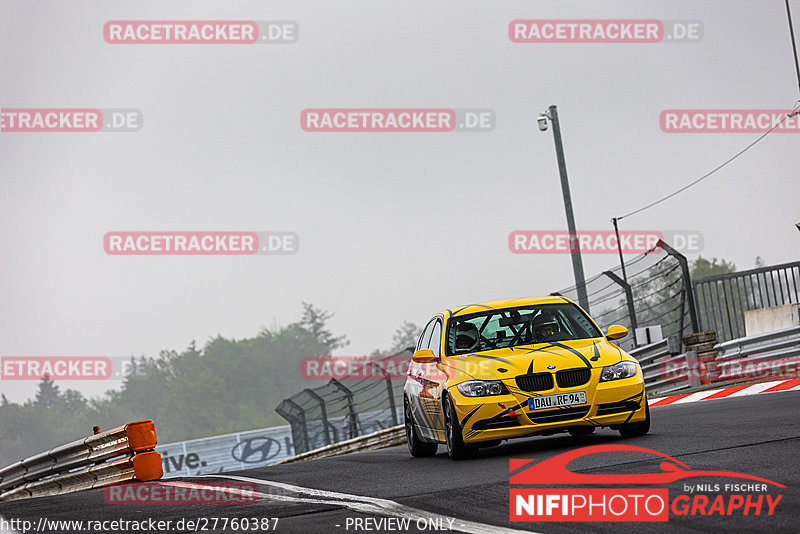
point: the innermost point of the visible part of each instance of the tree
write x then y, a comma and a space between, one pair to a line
703, 268
48, 393
404, 337
315, 321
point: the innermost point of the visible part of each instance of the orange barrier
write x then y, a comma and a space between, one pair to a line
124, 453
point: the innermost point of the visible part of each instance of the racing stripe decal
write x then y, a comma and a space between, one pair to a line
596, 352
470, 414
573, 351
634, 397
498, 358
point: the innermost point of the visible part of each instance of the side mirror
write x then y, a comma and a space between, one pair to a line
424, 356
616, 331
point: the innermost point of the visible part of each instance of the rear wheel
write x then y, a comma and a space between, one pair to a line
456, 448
416, 446
632, 430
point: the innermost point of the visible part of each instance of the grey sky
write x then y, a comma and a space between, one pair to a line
392, 226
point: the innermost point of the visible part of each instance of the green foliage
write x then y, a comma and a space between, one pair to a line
314, 320
404, 337
228, 386
703, 268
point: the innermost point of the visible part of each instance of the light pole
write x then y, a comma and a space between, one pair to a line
577, 264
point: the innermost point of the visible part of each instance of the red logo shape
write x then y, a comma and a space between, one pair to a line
553, 471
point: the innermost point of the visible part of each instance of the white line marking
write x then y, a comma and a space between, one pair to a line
697, 396
754, 388
370, 505
694, 397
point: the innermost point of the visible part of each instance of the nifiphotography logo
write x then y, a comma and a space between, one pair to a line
641, 497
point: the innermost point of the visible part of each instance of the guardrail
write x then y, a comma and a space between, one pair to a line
665, 372
389, 437
770, 354
124, 453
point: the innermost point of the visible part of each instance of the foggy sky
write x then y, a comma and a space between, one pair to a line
392, 226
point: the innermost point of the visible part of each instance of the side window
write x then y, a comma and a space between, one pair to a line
435, 343
425, 338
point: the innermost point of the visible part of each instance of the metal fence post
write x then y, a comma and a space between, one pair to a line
687, 282
389, 392
298, 423
324, 413
353, 416
629, 297
683, 307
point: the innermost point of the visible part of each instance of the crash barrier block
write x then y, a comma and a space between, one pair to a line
121, 454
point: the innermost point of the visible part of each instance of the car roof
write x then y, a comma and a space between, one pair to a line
500, 304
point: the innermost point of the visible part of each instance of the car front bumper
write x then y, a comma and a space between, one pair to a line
608, 404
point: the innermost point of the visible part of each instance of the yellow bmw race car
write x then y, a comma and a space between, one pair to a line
511, 368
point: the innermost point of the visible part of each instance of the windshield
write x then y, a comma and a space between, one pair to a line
525, 325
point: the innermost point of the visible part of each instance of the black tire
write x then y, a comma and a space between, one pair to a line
456, 448
582, 430
417, 447
641, 428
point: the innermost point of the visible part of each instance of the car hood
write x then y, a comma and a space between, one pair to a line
537, 358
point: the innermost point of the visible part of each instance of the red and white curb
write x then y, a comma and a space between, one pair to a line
735, 391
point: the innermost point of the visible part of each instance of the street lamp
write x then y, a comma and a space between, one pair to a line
551, 114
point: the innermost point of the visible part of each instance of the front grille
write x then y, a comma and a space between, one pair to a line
617, 407
535, 382
554, 416
569, 378
500, 422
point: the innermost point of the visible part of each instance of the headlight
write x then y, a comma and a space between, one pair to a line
482, 388
620, 370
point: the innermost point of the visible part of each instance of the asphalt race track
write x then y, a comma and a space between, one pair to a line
757, 435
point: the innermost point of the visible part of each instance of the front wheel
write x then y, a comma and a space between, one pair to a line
456, 448
632, 430
417, 447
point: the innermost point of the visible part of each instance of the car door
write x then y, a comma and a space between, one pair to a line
415, 385
432, 384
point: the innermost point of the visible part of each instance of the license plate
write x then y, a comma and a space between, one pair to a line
556, 401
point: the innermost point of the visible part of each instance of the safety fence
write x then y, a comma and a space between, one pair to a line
773, 354
654, 288
723, 299
665, 369
344, 409
122, 454
763, 356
